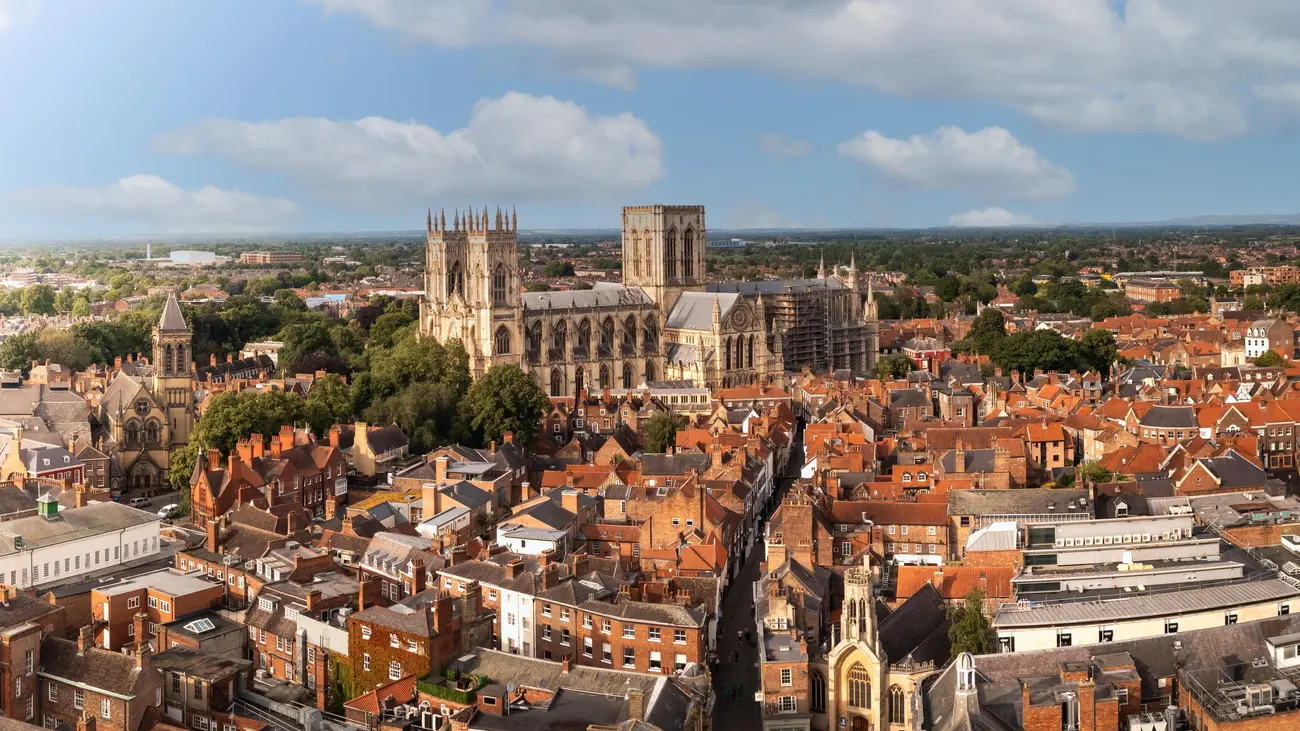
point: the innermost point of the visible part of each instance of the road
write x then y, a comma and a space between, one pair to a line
738, 614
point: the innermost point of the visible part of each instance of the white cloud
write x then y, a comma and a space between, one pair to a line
990, 163
989, 217
1183, 67
519, 147
158, 204
778, 145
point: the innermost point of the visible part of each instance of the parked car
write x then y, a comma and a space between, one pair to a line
169, 511
139, 502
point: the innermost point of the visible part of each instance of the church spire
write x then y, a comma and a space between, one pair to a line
821, 266
428, 221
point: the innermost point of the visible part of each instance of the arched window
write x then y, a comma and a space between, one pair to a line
606, 380
859, 687
132, 432
749, 359
153, 432
502, 341
726, 348
499, 286
629, 332
636, 254
167, 360
579, 380
817, 692
557, 382
897, 707
583, 337
182, 364
740, 352
627, 376
534, 338
688, 254
560, 337
650, 336
670, 254
649, 371
455, 280
607, 335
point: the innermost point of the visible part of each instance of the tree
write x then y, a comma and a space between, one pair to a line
328, 403
38, 299
180, 469
1095, 473
661, 432
1269, 359
504, 400
987, 331
386, 327
894, 366
1098, 348
970, 630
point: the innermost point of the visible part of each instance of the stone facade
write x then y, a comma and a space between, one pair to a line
663, 322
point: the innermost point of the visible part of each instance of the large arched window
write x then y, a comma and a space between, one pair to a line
670, 254
153, 432
627, 376
688, 254
859, 687
167, 364
557, 382
607, 336
629, 332
606, 378
560, 338
650, 336
132, 432
499, 286
726, 348
182, 365
582, 342
817, 692
502, 340
740, 351
455, 280
749, 359
649, 371
534, 338
636, 253
579, 381
897, 705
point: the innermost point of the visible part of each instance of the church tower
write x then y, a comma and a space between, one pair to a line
172, 372
471, 285
663, 251
858, 615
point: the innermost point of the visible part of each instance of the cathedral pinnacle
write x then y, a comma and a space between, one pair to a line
821, 267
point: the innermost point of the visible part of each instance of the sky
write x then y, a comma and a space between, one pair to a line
155, 117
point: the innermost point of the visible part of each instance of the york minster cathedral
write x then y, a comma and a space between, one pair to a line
664, 322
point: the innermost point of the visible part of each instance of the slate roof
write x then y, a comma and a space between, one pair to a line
172, 320
1170, 417
694, 310
104, 670
673, 464
1014, 502
917, 631
909, 398
775, 286
604, 295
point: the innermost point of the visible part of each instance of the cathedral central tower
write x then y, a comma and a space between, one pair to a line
663, 251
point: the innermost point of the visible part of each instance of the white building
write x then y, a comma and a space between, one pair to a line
1034, 626
55, 545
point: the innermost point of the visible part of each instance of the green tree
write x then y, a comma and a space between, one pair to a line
329, 402
1094, 472
987, 331
894, 366
1269, 359
38, 299
661, 432
18, 351
180, 469
970, 630
387, 326
505, 399
1098, 348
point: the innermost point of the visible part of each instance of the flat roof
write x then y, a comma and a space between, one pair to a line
71, 524
168, 581
1146, 606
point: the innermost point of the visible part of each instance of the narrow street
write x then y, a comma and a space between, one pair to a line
731, 711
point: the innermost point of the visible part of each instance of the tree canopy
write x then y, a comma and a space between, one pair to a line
970, 630
504, 400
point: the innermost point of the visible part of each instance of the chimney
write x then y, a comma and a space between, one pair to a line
212, 359
508, 437
564, 665
141, 638
313, 599
230, 357
85, 639
259, 445
231, 460
514, 568
276, 444
635, 704
525, 488
335, 432
440, 468
346, 527
459, 554
286, 437
214, 460
361, 438
715, 449
214, 535
86, 722
569, 501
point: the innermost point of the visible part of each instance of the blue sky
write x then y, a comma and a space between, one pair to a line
155, 117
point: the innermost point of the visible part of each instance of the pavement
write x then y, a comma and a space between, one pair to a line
738, 614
